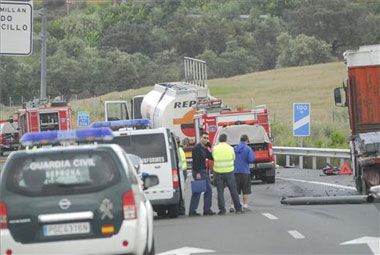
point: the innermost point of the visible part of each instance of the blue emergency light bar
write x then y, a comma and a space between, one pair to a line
122, 123
56, 137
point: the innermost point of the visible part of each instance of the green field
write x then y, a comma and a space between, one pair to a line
278, 89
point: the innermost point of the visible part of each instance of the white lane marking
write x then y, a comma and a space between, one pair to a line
296, 234
373, 243
319, 183
186, 251
270, 216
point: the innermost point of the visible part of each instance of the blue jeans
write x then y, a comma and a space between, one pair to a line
229, 179
207, 197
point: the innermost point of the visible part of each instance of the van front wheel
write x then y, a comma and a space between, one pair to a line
173, 211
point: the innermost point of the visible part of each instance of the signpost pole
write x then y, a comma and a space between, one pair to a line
43, 54
301, 124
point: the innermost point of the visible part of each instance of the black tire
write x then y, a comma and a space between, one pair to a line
270, 179
173, 211
152, 250
161, 212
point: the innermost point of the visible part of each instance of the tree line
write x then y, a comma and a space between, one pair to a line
117, 45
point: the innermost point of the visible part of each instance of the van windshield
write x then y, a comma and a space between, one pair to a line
149, 147
62, 173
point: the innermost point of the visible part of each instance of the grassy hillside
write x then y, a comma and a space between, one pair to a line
278, 89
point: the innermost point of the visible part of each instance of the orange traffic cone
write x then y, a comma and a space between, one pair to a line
345, 169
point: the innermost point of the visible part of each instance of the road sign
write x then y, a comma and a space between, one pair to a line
301, 119
16, 27
83, 119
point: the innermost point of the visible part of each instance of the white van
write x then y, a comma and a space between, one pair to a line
158, 150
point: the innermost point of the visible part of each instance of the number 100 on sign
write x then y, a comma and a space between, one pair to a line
301, 119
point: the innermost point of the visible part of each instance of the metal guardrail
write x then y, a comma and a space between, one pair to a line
342, 154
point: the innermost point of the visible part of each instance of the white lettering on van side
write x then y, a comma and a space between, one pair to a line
153, 160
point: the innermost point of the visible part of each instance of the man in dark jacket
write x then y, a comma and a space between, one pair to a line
199, 154
243, 156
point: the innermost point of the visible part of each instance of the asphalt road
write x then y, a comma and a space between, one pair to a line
273, 228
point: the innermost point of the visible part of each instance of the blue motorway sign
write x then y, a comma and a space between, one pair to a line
83, 119
301, 119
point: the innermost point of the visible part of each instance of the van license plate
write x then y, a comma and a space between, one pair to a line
66, 229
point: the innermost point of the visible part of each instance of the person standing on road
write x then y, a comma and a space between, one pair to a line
224, 157
199, 155
182, 159
182, 165
243, 156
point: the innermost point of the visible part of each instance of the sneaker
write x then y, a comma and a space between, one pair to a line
246, 208
209, 213
194, 214
232, 210
240, 211
222, 212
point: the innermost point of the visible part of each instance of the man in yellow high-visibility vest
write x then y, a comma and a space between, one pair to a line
224, 156
182, 159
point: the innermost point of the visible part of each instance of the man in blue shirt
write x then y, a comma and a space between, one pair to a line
243, 156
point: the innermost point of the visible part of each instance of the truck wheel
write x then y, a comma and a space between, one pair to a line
173, 211
270, 179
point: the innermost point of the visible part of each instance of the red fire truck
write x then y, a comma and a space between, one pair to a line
253, 122
37, 117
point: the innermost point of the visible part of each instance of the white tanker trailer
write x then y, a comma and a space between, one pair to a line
173, 105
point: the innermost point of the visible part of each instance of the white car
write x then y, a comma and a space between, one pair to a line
83, 199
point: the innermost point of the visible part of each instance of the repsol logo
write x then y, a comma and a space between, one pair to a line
184, 104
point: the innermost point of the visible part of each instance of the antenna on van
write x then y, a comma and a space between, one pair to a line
195, 71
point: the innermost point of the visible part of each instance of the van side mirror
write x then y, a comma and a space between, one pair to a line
338, 97
150, 181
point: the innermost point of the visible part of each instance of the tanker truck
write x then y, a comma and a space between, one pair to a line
361, 94
173, 104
